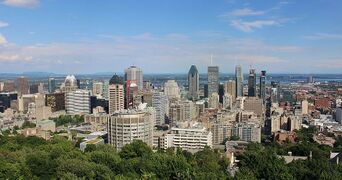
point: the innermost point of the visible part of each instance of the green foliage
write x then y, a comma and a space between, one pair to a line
28, 124
68, 120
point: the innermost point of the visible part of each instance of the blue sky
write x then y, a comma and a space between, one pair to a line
88, 36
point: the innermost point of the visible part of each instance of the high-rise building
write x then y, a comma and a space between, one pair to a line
193, 83
230, 88
239, 81
125, 126
52, 85
338, 115
255, 105
213, 80
250, 132
98, 89
252, 83
263, 86
305, 107
77, 102
8, 86
171, 89
5, 100
275, 92
132, 97
56, 101
161, 104
214, 101
134, 74
22, 85
70, 84
116, 94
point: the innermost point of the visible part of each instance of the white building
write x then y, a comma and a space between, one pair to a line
191, 139
171, 89
214, 101
128, 125
77, 102
161, 104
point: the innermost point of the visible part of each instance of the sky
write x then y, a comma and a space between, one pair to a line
161, 36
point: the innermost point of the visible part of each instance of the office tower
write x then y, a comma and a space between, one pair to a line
34, 88
239, 81
275, 92
249, 132
214, 101
116, 94
70, 84
134, 74
98, 89
193, 83
252, 83
125, 126
105, 90
86, 84
263, 86
338, 115
161, 104
132, 95
230, 88
305, 107
171, 89
228, 101
52, 85
147, 85
56, 101
255, 105
213, 80
176, 113
22, 85
8, 86
5, 100
77, 102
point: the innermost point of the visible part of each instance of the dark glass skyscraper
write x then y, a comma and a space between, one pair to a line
263, 86
239, 80
52, 85
252, 83
213, 80
193, 82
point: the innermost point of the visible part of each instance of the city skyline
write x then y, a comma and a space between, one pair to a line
168, 37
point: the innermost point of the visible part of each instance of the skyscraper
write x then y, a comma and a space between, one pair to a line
230, 88
116, 94
213, 80
263, 86
252, 83
193, 82
22, 85
239, 81
77, 102
161, 104
52, 85
171, 89
134, 74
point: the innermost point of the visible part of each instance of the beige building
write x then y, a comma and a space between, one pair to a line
214, 101
98, 121
230, 88
255, 105
116, 94
171, 89
127, 125
98, 89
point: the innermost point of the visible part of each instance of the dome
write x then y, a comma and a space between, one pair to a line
116, 80
70, 80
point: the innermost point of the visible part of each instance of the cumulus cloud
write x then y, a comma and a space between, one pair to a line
22, 3
246, 12
249, 26
2, 39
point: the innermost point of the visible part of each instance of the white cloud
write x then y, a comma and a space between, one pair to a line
3, 24
246, 12
324, 36
2, 39
14, 58
22, 3
249, 26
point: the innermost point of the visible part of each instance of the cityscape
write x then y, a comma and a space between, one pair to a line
163, 112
